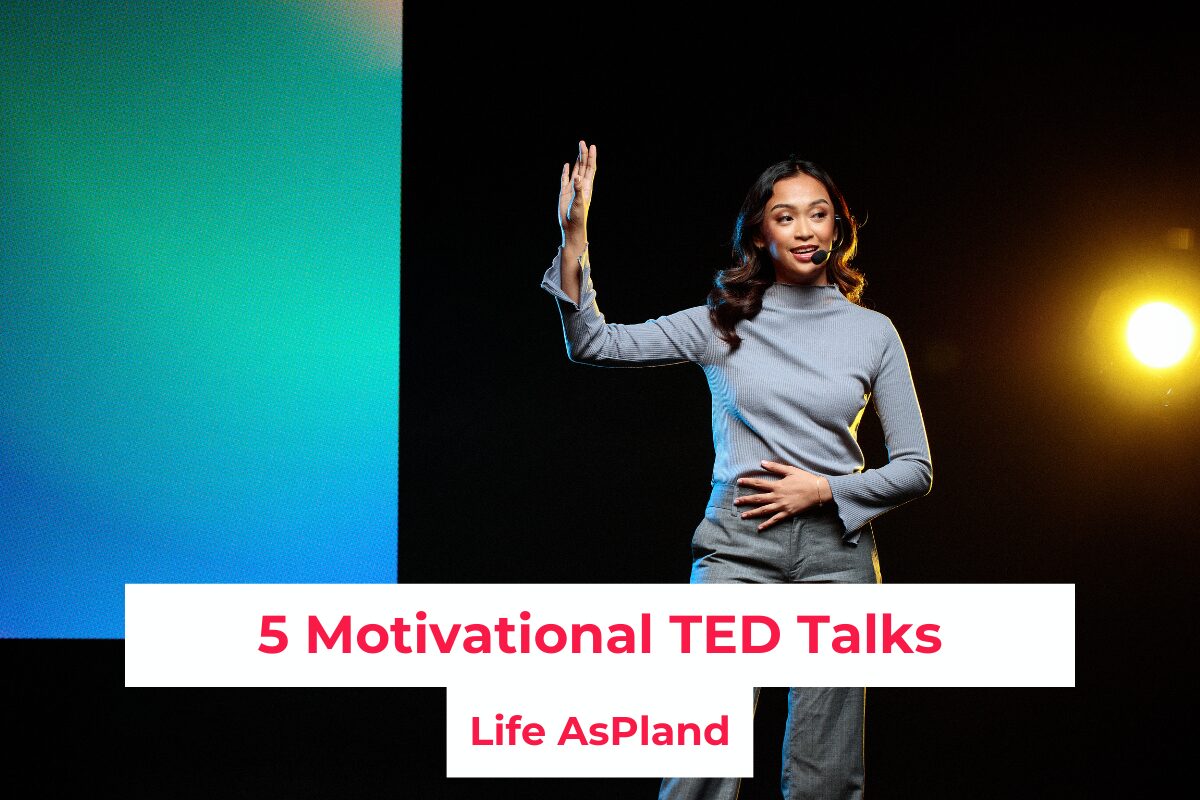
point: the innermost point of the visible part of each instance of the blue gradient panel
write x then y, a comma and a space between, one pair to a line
199, 301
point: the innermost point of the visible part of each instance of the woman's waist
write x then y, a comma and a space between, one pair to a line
723, 495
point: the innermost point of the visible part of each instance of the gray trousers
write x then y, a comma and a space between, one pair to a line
823, 738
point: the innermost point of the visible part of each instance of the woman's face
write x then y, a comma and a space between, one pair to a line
798, 221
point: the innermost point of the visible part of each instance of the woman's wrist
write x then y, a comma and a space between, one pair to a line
824, 492
573, 250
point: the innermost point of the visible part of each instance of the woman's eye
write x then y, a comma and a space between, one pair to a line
820, 215
784, 218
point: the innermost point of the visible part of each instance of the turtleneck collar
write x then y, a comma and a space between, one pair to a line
802, 298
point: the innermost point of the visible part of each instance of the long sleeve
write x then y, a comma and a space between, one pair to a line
863, 496
676, 338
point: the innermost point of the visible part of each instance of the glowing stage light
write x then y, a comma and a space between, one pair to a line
1140, 340
1159, 334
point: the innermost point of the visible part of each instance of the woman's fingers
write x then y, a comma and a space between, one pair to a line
764, 484
777, 518
564, 195
588, 162
761, 511
584, 171
575, 187
577, 167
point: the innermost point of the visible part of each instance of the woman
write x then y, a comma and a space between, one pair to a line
792, 360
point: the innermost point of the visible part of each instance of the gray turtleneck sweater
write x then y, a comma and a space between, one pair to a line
793, 392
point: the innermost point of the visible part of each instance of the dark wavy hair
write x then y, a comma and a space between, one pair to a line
737, 292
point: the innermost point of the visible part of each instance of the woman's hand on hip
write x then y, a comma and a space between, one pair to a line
780, 498
575, 195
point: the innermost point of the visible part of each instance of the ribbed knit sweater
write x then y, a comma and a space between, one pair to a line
794, 392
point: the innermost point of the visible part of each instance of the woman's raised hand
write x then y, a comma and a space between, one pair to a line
575, 195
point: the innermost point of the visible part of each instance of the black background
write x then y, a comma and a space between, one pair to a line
1007, 181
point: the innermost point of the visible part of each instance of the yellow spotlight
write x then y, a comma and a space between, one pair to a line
1159, 334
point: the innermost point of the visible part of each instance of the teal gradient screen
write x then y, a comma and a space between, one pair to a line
199, 301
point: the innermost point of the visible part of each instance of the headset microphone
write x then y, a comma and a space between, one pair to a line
819, 256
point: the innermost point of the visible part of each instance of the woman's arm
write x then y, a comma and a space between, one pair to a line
683, 336
863, 496
672, 339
